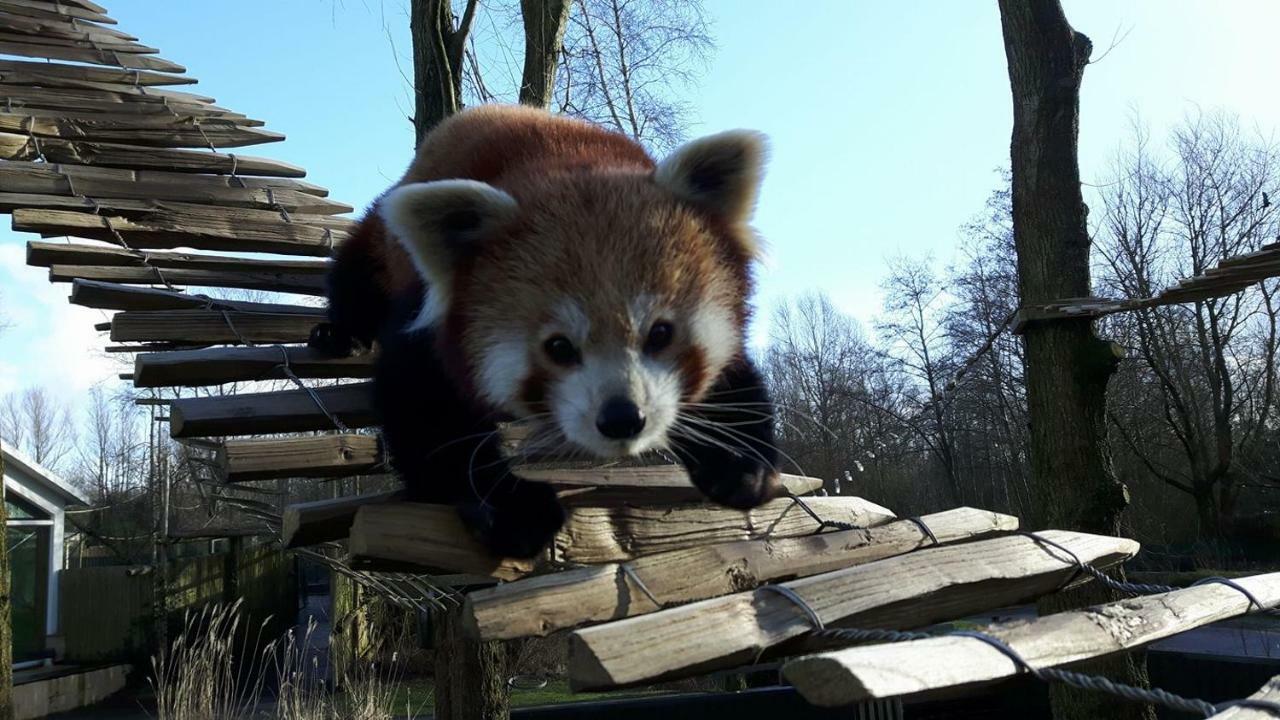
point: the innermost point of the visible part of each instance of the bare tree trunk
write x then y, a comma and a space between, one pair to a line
437, 60
1067, 365
544, 24
6, 619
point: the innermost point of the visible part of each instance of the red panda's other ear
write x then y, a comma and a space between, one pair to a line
439, 222
719, 173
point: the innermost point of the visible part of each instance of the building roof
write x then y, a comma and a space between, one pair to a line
46, 477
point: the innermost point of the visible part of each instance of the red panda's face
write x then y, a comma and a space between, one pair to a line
598, 304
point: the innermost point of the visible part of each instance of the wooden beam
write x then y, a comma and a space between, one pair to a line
337, 455
647, 477
101, 44
164, 132
613, 533
63, 29
111, 296
428, 536
57, 12
45, 254
85, 152
406, 533
273, 412
287, 282
50, 186
89, 55
910, 668
311, 523
57, 179
910, 590
210, 327
1269, 693
214, 366
170, 230
538, 606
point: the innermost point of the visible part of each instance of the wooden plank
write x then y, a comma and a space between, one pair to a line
111, 296
210, 327
158, 131
177, 215
643, 476
910, 668
90, 101
337, 455
1269, 693
276, 412
302, 284
46, 254
171, 230
405, 532
45, 187
538, 606
45, 28
57, 179
140, 156
95, 44
89, 55
214, 366
910, 590
434, 537
57, 12
613, 533
311, 523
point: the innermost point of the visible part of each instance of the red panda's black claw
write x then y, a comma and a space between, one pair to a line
328, 339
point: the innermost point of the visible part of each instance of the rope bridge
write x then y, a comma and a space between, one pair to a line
645, 582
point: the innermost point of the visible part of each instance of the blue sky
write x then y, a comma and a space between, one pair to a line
888, 120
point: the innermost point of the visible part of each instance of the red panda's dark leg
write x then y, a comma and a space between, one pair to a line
357, 290
740, 468
448, 451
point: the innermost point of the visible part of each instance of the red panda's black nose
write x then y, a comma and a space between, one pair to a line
620, 419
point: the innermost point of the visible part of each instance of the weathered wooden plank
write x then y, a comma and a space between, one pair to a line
43, 186
910, 590
89, 55
643, 476
336, 455
405, 532
321, 521
168, 132
910, 668
57, 179
98, 44
613, 533
210, 327
302, 284
177, 214
1269, 693
265, 413
143, 116
85, 152
93, 101
45, 28
47, 254
214, 366
434, 537
538, 606
169, 230
57, 12
111, 296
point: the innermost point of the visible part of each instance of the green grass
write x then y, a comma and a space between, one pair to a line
419, 696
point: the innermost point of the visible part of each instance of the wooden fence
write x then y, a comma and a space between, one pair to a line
106, 613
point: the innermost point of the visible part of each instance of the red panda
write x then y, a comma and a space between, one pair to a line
545, 270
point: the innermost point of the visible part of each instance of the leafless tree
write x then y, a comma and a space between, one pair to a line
36, 422
1207, 370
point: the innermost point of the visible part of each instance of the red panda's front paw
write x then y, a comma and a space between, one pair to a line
328, 339
741, 485
520, 524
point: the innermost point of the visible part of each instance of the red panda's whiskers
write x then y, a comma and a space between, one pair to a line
746, 440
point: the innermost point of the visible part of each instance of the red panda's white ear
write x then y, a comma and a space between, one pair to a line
439, 222
719, 173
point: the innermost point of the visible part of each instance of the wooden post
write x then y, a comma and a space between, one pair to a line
1067, 365
470, 675
6, 619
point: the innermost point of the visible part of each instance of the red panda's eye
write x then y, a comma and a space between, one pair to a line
659, 337
560, 350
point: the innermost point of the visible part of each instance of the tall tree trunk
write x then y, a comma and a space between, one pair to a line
1067, 365
544, 23
6, 617
438, 47
470, 675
